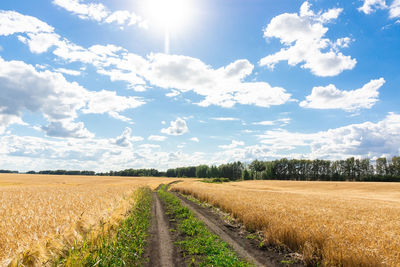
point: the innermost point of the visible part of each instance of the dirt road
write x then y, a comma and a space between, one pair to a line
236, 238
161, 251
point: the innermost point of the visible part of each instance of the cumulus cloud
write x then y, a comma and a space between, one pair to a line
40, 42
109, 102
158, 138
362, 140
329, 97
394, 9
303, 36
177, 127
366, 139
232, 145
222, 87
66, 128
369, 6
125, 139
12, 22
100, 13
194, 139
225, 86
58, 100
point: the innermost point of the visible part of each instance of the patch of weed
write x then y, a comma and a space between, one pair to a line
199, 244
216, 180
125, 247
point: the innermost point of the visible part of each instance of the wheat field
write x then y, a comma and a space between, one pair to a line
42, 214
334, 223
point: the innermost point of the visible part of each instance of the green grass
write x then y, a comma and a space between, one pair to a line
124, 247
216, 180
199, 244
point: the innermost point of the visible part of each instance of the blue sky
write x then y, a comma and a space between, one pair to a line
96, 85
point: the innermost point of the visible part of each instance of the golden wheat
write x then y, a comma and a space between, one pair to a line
40, 214
337, 223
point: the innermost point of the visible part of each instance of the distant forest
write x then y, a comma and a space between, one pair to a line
350, 169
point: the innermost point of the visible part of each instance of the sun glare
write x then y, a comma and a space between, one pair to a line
170, 16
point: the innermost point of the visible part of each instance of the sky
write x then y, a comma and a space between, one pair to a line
110, 85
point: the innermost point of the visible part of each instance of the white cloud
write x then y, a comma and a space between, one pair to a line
369, 6
177, 127
224, 119
67, 128
1, 48
394, 10
99, 13
68, 71
12, 22
173, 93
58, 100
281, 122
366, 139
109, 102
303, 35
223, 87
342, 43
264, 123
329, 97
247, 131
194, 139
158, 138
234, 144
40, 42
125, 139
362, 140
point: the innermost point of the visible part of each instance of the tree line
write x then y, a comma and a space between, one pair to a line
350, 169
8, 171
63, 172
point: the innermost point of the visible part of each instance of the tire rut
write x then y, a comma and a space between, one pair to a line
161, 250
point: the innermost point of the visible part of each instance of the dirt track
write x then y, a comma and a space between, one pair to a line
162, 251
236, 238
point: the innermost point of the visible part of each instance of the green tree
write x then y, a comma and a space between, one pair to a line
257, 167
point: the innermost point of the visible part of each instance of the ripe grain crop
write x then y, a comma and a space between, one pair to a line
330, 223
42, 214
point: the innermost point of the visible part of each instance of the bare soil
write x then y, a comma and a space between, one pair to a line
161, 250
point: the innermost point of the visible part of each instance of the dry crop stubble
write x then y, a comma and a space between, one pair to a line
40, 215
347, 224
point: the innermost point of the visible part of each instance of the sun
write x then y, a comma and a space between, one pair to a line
171, 16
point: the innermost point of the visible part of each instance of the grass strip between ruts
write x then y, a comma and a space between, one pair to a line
203, 247
124, 247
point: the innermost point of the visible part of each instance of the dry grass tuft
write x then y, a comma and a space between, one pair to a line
41, 215
336, 224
